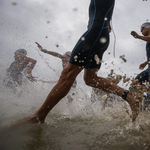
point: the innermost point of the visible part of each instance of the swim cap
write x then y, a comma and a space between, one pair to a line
68, 53
21, 52
146, 25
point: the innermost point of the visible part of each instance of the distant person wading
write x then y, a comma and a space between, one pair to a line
21, 65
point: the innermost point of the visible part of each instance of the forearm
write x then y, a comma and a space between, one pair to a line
146, 62
49, 52
144, 38
31, 65
52, 53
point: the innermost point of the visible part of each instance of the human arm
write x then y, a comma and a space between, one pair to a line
51, 82
144, 38
55, 54
31, 64
142, 66
27, 64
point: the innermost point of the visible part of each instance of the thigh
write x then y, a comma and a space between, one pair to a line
90, 73
96, 54
96, 39
71, 71
89, 53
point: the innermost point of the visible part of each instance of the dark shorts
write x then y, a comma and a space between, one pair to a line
89, 50
143, 76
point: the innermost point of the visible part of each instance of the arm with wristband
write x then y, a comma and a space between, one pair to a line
142, 66
49, 52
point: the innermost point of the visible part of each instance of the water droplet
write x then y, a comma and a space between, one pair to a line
83, 38
105, 18
103, 40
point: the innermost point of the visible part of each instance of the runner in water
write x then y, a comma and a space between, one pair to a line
65, 61
144, 76
22, 64
87, 54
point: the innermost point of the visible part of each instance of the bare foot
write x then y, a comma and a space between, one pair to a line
133, 100
34, 119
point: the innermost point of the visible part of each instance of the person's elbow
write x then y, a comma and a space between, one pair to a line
34, 61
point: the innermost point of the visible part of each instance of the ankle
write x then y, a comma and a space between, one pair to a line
40, 119
125, 94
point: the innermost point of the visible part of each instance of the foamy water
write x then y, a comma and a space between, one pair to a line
79, 124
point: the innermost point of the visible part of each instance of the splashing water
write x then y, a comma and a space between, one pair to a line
79, 124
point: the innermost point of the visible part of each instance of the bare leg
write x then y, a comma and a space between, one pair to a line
91, 79
140, 87
60, 90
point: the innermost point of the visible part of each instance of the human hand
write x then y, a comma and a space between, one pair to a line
134, 34
142, 66
39, 46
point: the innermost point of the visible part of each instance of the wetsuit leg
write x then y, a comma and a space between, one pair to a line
89, 49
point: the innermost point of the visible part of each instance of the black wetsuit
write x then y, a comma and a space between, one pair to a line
15, 73
89, 49
144, 76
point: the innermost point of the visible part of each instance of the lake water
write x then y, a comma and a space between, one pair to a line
79, 125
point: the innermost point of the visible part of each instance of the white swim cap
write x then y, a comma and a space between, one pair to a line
68, 53
146, 25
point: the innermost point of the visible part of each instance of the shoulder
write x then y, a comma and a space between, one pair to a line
24, 58
20, 57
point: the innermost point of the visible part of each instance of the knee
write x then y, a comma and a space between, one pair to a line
90, 81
